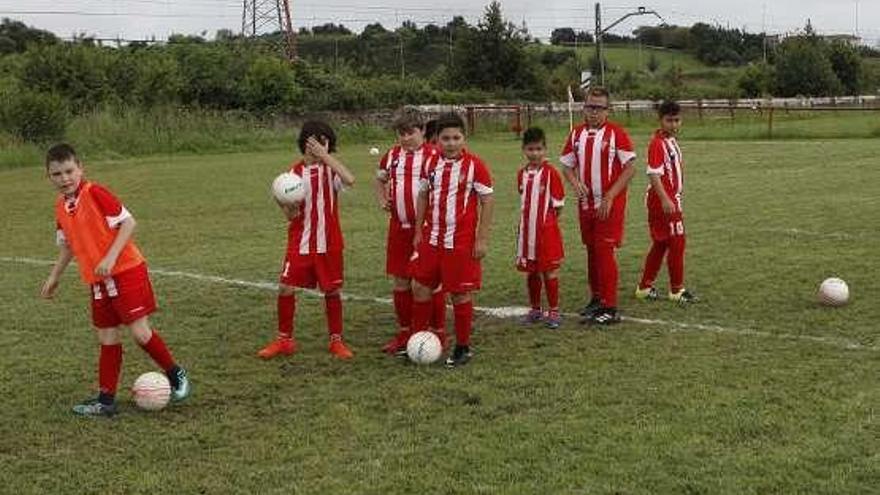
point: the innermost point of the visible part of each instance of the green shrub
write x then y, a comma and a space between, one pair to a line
33, 116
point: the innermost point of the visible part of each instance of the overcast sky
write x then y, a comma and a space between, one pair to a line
140, 19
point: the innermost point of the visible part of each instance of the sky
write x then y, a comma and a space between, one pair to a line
146, 19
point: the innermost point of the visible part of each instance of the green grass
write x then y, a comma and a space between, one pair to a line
757, 408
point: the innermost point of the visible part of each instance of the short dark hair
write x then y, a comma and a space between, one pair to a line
408, 118
534, 135
598, 91
61, 152
668, 107
320, 130
448, 121
431, 129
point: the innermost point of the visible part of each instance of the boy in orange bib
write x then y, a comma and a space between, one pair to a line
94, 227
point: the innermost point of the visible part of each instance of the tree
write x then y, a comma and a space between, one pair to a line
846, 62
803, 68
562, 36
493, 55
330, 28
757, 80
16, 36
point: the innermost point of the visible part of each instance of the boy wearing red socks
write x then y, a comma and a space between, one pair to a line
663, 199
539, 250
314, 240
96, 229
455, 211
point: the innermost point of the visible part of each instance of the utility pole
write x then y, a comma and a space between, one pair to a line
600, 31
266, 17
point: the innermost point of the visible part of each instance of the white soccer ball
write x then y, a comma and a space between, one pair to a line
833, 292
288, 188
424, 348
374, 151
151, 391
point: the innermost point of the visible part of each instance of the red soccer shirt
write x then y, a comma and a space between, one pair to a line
540, 191
598, 155
402, 170
453, 187
665, 160
316, 229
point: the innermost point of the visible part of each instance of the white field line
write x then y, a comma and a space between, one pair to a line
807, 233
503, 312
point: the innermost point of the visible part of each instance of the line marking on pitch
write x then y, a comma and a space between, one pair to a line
503, 312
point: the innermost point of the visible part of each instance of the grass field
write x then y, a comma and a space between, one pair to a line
754, 390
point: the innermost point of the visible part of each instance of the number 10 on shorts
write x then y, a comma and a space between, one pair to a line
676, 228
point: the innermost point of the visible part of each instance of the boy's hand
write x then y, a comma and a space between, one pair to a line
385, 201
48, 290
604, 210
581, 190
481, 247
290, 211
105, 266
668, 206
317, 148
417, 239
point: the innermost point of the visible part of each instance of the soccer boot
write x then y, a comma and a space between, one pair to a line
397, 344
532, 317
94, 408
339, 350
181, 387
278, 346
459, 357
604, 316
683, 297
649, 294
591, 307
553, 319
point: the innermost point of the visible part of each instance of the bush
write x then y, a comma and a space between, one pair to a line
33, 116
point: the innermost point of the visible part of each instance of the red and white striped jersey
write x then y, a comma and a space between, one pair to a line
665, 160
540, 191
402, 171
599, 156
316, 229
453, 187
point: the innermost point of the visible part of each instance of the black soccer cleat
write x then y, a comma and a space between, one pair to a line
604, 317
591, 307
459, 357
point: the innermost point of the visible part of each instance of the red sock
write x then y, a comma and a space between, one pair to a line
333, 308
438, 310
675, 261
552, 287
534, 283
653, 262
403, 302
606, 268
421, 315
157, 350
593, 273
464, 317
109, 367
286, 310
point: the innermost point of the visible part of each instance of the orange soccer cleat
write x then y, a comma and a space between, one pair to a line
340, 350
278, 346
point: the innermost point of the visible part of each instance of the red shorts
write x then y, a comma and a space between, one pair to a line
123, 298
399, 250
308, 271
610, 230
455, 269
664, 227
549, 253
